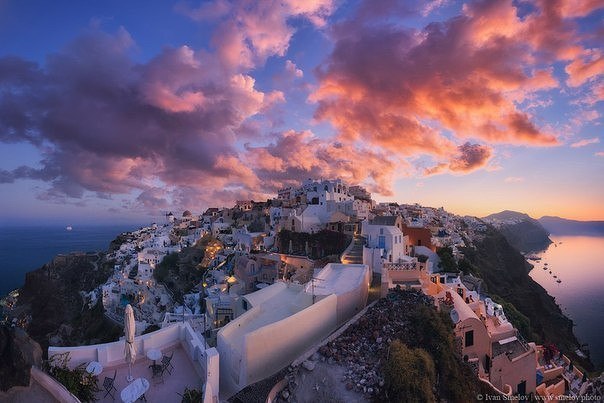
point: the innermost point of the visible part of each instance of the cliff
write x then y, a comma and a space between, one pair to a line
532, 310
521, 231
53, 308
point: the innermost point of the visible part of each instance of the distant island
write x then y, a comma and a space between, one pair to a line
563, 226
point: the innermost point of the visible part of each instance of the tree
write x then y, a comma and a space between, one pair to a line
447, 260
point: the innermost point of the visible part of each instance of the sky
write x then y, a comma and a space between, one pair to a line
120, 111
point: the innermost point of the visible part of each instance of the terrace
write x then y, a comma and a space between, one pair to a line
195, 363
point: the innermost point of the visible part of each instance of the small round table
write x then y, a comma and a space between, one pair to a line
154, 355
135, 390
94, 368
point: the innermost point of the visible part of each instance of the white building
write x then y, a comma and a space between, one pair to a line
385, 243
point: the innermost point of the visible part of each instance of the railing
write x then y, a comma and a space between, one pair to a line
402, 266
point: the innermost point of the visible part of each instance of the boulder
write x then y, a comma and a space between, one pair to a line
18, 353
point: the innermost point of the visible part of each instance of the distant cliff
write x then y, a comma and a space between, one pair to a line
521, 231
562, 226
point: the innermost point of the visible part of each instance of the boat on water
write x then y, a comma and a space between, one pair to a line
545, 263
558, 281
550, 272
69, 228
555, 276
544, 267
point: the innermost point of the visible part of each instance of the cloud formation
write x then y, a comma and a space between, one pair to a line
191, 126
403, 89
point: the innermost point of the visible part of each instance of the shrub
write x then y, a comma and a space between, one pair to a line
79, 382
192, 396
409, 374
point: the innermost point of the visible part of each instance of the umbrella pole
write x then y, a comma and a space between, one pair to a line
130, 378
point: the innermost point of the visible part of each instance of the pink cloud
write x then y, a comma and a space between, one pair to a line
585, 142
584, 69
513, 179
250, 31
293, 70
400, 89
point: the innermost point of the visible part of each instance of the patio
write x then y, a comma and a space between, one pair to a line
183, 375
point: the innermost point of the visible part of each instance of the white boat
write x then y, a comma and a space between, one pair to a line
69, 228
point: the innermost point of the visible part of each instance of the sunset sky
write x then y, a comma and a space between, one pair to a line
116, 111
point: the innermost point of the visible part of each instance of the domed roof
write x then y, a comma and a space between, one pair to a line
187, 213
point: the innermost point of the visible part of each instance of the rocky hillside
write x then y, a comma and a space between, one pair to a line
533, 311
51, 304
522, 232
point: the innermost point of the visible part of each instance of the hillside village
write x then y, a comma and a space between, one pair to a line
243, 293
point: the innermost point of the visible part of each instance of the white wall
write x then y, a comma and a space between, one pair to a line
272, 347
372, 257
353, 301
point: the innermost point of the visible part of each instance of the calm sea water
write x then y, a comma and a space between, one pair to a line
23, 249
579, 262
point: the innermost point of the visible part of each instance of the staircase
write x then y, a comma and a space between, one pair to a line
354, 253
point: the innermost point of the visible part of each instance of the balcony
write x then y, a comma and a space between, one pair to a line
196, 365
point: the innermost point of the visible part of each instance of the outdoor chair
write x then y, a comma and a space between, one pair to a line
158, 373
166, 363
108, 385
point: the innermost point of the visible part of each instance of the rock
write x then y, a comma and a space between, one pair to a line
285, 394
314, 357
309, 365
17, 354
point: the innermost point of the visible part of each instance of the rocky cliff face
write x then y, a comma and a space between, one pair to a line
52, 301
521, 231
18, 352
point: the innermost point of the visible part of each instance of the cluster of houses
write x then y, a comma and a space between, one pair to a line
262, 308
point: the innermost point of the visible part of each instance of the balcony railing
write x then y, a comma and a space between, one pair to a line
402, 266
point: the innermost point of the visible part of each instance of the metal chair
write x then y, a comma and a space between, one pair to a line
108, 384
166, 363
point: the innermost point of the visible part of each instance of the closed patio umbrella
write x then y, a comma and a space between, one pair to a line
129, 349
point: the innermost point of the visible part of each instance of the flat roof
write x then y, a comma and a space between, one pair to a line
513, 349
338, 278
272, 304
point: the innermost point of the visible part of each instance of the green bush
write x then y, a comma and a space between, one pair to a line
192, 396
409, 374
79, 382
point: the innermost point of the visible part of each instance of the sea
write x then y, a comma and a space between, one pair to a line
578, 261
27, 248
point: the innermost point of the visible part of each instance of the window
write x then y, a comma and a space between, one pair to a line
469, 339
